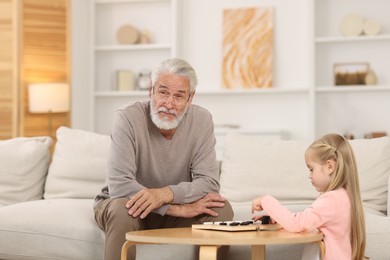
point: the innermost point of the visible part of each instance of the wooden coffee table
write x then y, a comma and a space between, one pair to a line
210, 240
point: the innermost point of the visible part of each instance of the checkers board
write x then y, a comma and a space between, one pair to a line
236, 226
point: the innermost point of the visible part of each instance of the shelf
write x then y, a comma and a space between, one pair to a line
311, 105
356, 109
362, 38
264, 91
135, 47
140, 93
351, 89
126, 1
323, 89
134, 93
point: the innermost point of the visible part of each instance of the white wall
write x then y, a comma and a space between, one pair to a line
199, 42
200, 39
80, 69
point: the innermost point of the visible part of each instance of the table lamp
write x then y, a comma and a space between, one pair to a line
48, 98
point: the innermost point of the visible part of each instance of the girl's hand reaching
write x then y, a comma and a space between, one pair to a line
256, 218
256, 204
264, 219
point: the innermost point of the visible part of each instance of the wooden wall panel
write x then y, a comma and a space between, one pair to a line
8, 70
34, 47
45, 57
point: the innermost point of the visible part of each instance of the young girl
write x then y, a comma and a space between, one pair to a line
338, 211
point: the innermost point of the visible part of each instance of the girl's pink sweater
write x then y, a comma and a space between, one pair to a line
330, 213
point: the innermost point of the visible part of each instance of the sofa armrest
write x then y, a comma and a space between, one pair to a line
388, 198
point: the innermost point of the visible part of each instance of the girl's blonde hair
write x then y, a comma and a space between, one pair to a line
335, 147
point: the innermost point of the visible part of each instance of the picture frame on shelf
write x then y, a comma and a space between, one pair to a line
350, 73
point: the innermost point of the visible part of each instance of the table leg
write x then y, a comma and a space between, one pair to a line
207, 252
322, 249
258, 252
125, 248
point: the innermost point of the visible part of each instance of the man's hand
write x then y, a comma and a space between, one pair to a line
146, 200
201, 206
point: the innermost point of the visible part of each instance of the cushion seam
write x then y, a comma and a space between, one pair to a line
45, 234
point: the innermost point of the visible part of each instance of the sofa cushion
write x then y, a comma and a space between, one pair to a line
65, 229
78, 168
373, 161
378, 236
50, 229
23, 167
253, 166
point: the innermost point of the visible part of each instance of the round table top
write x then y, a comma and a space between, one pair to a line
212, 237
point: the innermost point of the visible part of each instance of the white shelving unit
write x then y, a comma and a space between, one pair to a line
352, 39
344, 109
158, 17
304, 102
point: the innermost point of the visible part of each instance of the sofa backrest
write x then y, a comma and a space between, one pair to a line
23, 167
78, 167
373, 161
253, 166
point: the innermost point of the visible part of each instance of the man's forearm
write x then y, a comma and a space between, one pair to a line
181, 211
201, 206
176, 211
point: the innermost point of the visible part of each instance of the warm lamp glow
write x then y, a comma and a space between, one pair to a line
48, 97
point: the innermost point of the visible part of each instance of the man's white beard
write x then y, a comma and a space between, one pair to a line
165, 123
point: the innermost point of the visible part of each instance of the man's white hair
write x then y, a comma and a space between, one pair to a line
178, 67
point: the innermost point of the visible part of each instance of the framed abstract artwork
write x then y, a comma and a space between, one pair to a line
247, 49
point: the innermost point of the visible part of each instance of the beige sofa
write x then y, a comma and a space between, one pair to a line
46, 207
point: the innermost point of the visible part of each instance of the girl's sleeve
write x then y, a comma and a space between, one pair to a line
319, 213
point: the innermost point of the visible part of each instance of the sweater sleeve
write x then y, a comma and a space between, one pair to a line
121, 174
318, 214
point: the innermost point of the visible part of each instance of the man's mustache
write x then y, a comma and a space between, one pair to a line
166, 110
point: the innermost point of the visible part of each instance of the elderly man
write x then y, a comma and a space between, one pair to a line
162, 169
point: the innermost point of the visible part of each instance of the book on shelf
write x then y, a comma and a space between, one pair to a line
125, 80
